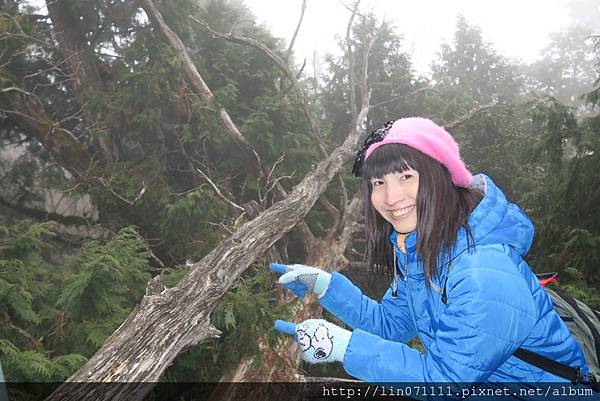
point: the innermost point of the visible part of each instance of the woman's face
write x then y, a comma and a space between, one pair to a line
394, 196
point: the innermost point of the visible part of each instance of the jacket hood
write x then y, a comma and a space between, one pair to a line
493, 221
497, 221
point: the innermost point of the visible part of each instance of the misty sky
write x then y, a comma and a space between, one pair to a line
517, 29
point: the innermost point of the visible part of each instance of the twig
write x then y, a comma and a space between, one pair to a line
404, 96
278, 161
35, 343
14, 88
333, 212
353, 10
106, 184
356, 253
469, 114
279, 62
210, 223
149, 250
218, 191
276, 182
298, 75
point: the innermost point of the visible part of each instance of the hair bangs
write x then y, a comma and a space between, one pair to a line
389, 158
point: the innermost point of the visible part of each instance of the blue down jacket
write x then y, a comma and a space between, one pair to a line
494, 305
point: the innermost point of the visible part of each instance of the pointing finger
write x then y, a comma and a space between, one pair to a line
278, 268
285, 327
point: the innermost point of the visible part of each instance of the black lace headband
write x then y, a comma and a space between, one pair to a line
374, 137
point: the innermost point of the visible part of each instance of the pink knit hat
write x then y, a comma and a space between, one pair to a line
428, 137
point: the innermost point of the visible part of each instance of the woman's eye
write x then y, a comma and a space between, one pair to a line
406, 177
377, 183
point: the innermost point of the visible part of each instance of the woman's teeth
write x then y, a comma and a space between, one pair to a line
403, 211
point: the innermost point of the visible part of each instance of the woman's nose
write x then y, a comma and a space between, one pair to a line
393, 194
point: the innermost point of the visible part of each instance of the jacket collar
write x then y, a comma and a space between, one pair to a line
482, 220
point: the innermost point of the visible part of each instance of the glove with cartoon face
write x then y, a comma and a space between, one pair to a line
318, 340
302, 279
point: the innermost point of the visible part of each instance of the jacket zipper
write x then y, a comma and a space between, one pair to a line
410, 304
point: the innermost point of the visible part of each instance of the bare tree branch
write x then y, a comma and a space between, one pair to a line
469, 114
131, 202
218, 191
165, 324
350, 55
280, 364
14, 88
149, 250
353, 10
206, 94
196, 80
288, 53
392, 100
333, 212
35, 344
283, 66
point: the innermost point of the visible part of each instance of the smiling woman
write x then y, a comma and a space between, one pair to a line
455, 246
394, 197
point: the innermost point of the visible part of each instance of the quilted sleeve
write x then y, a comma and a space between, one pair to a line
489, 313
389, 319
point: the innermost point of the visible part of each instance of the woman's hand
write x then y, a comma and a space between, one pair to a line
301, 278
318, 340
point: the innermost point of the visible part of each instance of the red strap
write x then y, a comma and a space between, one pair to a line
545, 281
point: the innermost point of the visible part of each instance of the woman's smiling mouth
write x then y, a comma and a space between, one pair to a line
402, 212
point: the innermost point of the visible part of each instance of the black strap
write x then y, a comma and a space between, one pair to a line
549, 365
570, 373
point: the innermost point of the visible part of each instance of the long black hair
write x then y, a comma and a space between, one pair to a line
442, 207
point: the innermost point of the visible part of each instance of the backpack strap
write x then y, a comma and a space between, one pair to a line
570, 373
